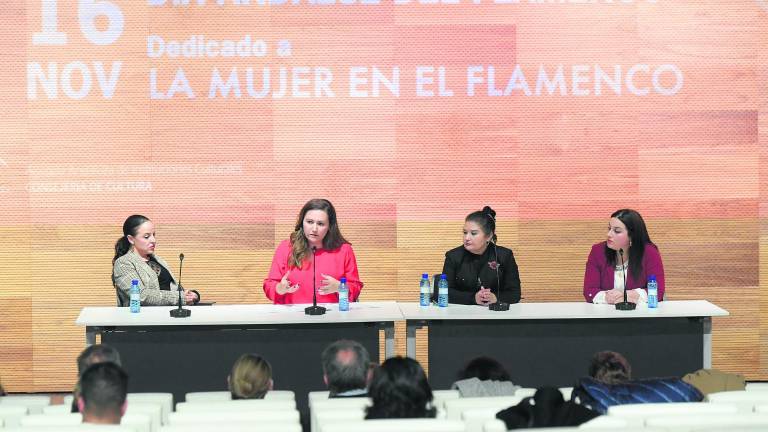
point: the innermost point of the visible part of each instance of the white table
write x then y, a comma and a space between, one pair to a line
181, 355
583, 315
97, 319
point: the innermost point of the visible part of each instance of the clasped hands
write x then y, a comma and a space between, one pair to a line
617, 296
484, 296
329, 285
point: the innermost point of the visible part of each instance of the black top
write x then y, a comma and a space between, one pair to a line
164, 277
463, 268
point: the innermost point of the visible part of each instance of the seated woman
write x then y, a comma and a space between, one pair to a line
610, 383
135, 259
251, 377
317, 233
480, 270
484, 376
399, 389
627, 241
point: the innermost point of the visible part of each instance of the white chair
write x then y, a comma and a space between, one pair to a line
69, 419
237, 405
707, 421
525, 392
164, 399
744, 400
153, 412
612, 422
454, 407
648, 410
399, 425
440, 396
57, 409
495, 425
225, 396
566, 391
75, 428
343, 406
234, 427
322, 418
10, 415
226, 417
475, 418
317, 395
34, 403
757, 386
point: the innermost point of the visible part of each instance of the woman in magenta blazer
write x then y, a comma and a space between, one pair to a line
627, 241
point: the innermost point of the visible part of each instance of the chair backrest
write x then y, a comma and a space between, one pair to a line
12, 414
613, 422
57, 409
494, 425
237, 405
566, 391
342, 406
225, 417
524, 392
75, 428
475, 418
321, 418
234, 427
317, 395
454, 407
743, 399
34, 403
164, 399
757, 386
440, 396
399, 425
68, 419
655, 409
152, 411
225, 396
709, 421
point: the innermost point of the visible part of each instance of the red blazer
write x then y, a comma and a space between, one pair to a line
598, 275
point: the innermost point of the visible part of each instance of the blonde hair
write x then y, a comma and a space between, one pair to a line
251, 377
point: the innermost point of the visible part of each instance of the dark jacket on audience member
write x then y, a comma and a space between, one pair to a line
546, 408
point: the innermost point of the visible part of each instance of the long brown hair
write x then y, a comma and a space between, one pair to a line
299, 244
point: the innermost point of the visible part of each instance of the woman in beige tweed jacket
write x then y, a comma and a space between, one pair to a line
135, 258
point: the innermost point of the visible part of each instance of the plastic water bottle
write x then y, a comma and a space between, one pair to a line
135, 296
653, 292
343, 295
442, 291
425, 291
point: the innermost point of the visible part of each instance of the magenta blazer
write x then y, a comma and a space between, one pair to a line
598, 276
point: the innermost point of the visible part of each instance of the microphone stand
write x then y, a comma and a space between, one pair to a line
314, 309
625, 305
180, 312
499, 306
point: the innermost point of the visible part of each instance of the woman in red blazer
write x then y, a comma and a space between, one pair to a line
627, 241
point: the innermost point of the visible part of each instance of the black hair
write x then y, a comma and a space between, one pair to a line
122, 246
638, 237
486, 220
485, 368
104, 388
399, 389
610, 367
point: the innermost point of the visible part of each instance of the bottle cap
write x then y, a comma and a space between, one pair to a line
135, 282
343, 280
443, 276
652, 278
425, 275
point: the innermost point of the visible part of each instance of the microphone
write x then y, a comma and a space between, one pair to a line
314, 309
625, 305
499, 305
180, 312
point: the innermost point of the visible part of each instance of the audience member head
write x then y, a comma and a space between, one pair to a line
98, 353
251, 377
399, 389
131, 228
103, 391
346, 366
610, 367
485, 368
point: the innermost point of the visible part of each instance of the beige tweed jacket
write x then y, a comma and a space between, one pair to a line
130, 266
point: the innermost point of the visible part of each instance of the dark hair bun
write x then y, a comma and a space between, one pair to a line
489, 212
